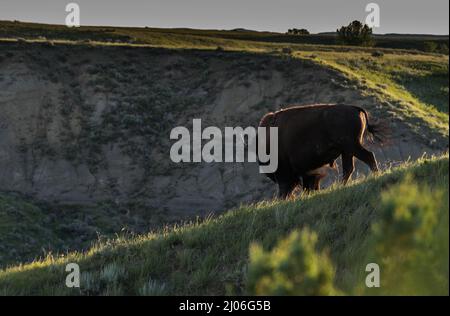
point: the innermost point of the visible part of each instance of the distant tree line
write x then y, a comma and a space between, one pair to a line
297, 32
356, 33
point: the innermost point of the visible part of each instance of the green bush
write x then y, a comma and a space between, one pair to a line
294, 267
410, 241
355, 33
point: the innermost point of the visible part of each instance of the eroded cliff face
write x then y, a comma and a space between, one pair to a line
81, 124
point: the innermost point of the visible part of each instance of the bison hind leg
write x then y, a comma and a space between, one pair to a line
348, 166
367, 157
333, 164
285, 188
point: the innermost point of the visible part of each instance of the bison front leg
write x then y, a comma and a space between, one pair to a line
311, 182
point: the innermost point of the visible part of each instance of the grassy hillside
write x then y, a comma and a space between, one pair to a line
414, 86
400, 81
182, 37
211, 256
31, 229
405, 79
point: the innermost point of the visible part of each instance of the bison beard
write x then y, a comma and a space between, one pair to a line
311, 138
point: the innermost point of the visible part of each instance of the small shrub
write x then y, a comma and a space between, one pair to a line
294, 267
112, 273
153, 288
89, 283
377, 53
409, 243
430, 47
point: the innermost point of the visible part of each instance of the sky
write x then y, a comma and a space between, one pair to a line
396, 16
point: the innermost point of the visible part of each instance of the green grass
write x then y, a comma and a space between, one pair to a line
408, 242
24, 229
184, 37
211, 256
416, 85
30, 229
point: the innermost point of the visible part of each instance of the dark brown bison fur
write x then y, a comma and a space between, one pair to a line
311, 138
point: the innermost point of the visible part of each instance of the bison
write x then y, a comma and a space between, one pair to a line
312, 137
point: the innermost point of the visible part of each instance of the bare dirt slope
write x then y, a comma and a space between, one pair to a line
82, 124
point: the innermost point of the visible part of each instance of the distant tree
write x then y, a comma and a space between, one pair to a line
290, 32
355, 33
295, 31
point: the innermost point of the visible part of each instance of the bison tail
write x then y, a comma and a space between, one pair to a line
379, 131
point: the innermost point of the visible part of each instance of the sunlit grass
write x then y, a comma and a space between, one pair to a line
379, 77
210, 256
415, 83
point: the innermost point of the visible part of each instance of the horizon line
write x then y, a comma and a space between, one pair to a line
211, 29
